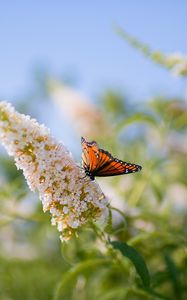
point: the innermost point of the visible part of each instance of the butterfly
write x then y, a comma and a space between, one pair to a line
99, 162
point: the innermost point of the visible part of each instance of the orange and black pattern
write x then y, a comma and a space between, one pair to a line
98, 162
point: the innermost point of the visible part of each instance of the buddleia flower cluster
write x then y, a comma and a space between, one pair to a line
49, 169
87, 118
175, 62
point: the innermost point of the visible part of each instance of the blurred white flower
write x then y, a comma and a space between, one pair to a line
50, 169
177, 62
88, 119
177, 197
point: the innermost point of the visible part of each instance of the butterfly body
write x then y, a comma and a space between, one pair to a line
100, 163
92, 176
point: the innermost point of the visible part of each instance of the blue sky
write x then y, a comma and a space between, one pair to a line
78, 37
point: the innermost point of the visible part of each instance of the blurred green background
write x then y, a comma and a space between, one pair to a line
145, 126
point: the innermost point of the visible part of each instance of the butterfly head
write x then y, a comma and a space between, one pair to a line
90, 144
83, 140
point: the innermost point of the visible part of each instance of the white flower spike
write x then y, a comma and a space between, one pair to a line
50, 169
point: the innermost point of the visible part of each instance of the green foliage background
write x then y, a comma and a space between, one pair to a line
147, 219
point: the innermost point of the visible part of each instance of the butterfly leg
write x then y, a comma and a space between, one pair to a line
85, 178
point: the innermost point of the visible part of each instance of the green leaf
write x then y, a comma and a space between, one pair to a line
65, 284
174, 275
115, 293
152, 292
137, 117
136, 259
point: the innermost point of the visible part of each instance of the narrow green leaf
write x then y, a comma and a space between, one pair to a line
174, 275
152, 292
115, 293
70, 276
137, 117
136, 259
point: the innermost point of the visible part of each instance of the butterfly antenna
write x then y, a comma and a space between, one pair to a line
81, 167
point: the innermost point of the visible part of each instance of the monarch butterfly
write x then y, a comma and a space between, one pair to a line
98, 162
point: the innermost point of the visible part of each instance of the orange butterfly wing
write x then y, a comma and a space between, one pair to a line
90, 155
98, 162
110, 166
